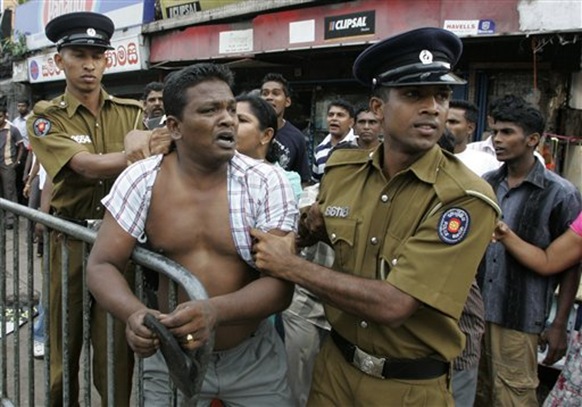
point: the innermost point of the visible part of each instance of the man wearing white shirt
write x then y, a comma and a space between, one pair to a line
462, 122
23, 107
486, 146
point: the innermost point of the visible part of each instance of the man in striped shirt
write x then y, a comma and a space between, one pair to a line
340, 120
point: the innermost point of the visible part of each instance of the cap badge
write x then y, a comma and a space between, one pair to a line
91, 32
425, 56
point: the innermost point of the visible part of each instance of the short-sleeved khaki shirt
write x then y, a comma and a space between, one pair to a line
63, 127
423, 231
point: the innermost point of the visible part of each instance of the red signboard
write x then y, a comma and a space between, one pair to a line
307, 28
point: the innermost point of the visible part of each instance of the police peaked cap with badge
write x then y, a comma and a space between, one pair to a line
81, 29
424, 56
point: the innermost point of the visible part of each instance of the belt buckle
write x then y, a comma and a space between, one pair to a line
368, 364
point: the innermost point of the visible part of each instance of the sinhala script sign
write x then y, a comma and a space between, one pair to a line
126, 57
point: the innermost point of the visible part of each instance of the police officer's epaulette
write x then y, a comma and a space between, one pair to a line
42, 107
349, 156
457, 181
127, 102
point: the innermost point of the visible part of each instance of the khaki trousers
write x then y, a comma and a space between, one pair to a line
508, 368
123, 356
337, 383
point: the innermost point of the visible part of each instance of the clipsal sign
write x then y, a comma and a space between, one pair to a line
126, 56
55, 8
350, 25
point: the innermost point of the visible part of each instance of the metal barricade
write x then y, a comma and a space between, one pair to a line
24, 380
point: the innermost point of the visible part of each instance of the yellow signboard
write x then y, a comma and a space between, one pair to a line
179, 8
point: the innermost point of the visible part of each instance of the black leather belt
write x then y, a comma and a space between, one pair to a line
386, 368
88, 223
80, 222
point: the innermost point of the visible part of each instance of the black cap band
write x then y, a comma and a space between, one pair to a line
82, 39
435, 72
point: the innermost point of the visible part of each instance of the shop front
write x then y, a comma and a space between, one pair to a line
314, 48
130, 54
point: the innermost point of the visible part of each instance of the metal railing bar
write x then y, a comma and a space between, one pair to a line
140, 256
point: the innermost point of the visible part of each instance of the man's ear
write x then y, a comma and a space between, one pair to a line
377, 107
471, 126
173, 125
533, 140
287, 101
59, 60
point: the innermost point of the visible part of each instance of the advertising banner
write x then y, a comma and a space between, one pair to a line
32, 17
127, 56
179, 8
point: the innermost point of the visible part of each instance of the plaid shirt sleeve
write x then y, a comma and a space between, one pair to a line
278, 207
129, 198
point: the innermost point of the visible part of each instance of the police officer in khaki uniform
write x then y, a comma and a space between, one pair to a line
409, 224
78, 138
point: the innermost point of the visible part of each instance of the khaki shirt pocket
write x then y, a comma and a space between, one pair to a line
342, 235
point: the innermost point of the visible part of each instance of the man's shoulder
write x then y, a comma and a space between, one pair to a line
290, 129
247, 167
290, 133
325, 143
561, 183
457, 180
45, 107
348, 157
126, 102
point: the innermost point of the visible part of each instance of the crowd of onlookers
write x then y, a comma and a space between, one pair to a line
393, 270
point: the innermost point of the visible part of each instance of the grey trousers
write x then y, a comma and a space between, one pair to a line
302, 343
465, 386
253, 373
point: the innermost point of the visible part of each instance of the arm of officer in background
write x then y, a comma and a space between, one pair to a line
140, 144
45, 205
19, 152
31, 175
562, 253
376, 300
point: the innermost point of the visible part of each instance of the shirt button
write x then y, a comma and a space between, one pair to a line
364, 324
96, 124
98, 208
333, 236
374, 241
384, 198
394, 262
100, 182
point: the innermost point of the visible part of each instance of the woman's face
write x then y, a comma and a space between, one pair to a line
250, 140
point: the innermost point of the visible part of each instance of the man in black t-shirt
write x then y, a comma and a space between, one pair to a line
275, 90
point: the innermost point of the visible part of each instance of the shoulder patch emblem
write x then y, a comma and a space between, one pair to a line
454, 225
41, 127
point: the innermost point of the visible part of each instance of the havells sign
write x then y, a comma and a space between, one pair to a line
350, 25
